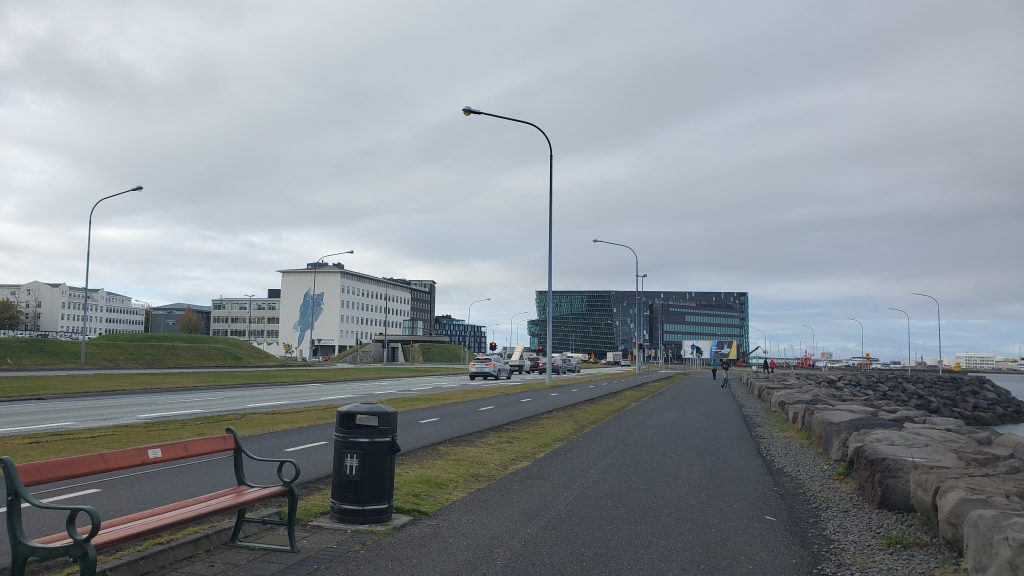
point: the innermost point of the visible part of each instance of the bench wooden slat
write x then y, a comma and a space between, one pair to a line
44, 472
140, 524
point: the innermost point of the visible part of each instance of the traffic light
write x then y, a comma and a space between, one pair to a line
493, 346
540, 349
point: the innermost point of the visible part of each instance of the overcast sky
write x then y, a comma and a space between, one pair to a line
828, 158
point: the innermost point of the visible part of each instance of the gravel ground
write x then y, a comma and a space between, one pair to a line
855, 532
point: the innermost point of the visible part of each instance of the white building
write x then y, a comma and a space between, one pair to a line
976, 361
57, 309
348, 308
254, 319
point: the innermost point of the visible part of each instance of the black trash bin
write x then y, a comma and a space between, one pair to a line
365, 444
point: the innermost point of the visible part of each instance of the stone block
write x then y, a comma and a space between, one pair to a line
960, 497
994, 543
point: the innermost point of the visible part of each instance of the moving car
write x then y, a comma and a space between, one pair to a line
571, 364
489, 367
535, 364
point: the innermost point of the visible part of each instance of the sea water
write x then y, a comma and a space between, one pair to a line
1015, 384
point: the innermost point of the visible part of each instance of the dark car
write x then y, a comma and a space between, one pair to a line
535, 364
557, 367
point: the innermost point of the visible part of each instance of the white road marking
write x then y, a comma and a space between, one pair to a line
577, 389
429, 420
311, 385
591, 385
337, 397
387, 392
158, 414
553, 394
259, 404
526, 399
304, 446
769, 517
484, 408
36, 426
422, 388
56, 498
189, 400
449, 385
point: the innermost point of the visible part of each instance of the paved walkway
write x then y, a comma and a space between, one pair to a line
674, 485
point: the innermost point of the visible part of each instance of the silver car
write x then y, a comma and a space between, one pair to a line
489, 367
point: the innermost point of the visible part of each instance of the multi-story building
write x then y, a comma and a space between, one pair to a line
256, 320
976, 361
470, 336
326, 307
599, 321
58, 309
421, 307
167, 319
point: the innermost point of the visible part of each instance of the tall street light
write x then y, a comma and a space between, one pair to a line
647, 319
814, 343
551, 170
510, 326
469, 314
861, 335
518, 324
908, 335
88, 249
938, 311
312, 300
636, 339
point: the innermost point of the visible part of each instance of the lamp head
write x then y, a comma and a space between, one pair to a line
596, 240
136, 189
468, 111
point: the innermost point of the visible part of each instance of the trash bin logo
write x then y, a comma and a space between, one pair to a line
350, 465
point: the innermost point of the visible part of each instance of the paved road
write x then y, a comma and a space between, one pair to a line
28, 416
673, 486
120, 493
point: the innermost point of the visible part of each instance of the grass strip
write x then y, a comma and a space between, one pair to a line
30, 386
57, 444
430, 478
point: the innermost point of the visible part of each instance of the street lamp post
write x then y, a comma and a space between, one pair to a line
647, 319
861, 336
468, 111
312, 299
814, 343
248, 328
469, 315
765, 334
908, 334
88, 250
518, 324
636, 260
510, 328
938, 311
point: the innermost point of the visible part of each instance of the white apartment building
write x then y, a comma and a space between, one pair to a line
346, 308
57, 309
254, 319
976, 361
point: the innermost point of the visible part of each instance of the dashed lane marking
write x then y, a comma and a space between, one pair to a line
526, 399
304, 446
260, 404
36, 427
429, 420
484, 408
159, 414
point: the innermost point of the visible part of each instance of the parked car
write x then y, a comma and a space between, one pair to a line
489, 367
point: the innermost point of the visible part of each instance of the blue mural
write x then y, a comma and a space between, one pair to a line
302, 325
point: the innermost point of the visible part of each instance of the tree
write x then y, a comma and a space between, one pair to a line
9, 317
190, 322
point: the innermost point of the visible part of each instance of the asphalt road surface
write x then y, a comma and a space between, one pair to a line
674, 485
29, 416
120, 493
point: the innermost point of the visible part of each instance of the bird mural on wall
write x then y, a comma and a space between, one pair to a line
305, 320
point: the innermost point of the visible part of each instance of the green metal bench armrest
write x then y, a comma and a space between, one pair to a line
281, 464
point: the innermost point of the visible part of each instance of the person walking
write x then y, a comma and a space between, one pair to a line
771, 366
725, 373
714, 368
764, 366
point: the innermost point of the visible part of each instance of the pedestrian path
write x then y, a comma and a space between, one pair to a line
674, 485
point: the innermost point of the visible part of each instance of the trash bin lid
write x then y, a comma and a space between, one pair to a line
386, 417
367, 408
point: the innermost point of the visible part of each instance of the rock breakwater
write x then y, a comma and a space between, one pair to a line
921, 443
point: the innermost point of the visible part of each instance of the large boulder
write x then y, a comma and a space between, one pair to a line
994, 543
884, 459
925, 484
831, 429
958, 498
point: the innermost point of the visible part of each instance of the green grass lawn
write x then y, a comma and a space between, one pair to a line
134, 351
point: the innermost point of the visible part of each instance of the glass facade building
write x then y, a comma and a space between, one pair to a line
600, 321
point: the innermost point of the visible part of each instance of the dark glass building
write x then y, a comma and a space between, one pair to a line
471, 336
600, 321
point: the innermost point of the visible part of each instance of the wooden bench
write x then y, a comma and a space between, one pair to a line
81, 544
